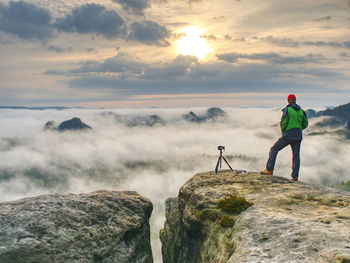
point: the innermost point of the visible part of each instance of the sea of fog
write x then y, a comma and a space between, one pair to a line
126, 150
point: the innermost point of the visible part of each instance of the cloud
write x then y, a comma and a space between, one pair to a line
272, 57
149, 32
325, 18
59, 49
136, 6
187, 75
293, 43
121, 63
281, 41
92, 18
209, 37
344, 55
346, 2
323, 43
125, 75
25, 20
117, 156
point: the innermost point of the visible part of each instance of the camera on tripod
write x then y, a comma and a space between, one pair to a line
221, 148
219, 163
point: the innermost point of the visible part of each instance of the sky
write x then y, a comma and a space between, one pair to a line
159, 53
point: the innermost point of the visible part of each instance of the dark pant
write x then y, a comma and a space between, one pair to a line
279, 145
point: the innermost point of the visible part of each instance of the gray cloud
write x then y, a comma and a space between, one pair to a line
293, 43
323, 43
59, 49
92, 18
344, 55
281, 41
136, 6
325, 18
121, 63
209, 37
149, 32
272, 57
186, 74
25, 20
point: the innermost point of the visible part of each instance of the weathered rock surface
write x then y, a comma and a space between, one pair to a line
103, 226
288, 222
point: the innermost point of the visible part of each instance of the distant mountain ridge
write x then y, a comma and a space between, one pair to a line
334, 121
342, 112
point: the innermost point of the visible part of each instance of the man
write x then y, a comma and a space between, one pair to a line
293, 121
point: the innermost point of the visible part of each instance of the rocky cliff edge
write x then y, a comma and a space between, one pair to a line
246, 217
103, 226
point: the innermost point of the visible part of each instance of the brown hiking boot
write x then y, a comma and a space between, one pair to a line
294, 179
266, 172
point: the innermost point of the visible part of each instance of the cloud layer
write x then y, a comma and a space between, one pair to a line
186, 74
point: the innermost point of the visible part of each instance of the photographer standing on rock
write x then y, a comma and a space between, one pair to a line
293, 121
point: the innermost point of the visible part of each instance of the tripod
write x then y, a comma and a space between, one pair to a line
221, 149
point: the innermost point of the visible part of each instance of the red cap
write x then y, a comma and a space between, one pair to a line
291, 97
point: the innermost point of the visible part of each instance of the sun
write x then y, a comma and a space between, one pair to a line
192, 43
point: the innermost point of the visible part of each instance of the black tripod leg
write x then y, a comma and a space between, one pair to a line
227, 163
217, 165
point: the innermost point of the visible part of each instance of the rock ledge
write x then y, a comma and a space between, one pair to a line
288, 222
103, 226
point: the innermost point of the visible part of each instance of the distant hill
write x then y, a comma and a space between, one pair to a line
342, 112
211, 114
72, 124
337, 117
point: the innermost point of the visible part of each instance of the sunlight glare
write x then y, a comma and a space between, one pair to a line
192, 44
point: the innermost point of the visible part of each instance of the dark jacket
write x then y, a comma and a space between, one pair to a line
293, 121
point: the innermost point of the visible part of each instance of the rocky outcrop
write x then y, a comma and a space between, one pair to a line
212, 114
73, 124
246, 217
69, 125
104, 226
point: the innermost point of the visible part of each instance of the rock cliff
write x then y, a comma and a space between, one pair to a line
246, 217
103, 226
